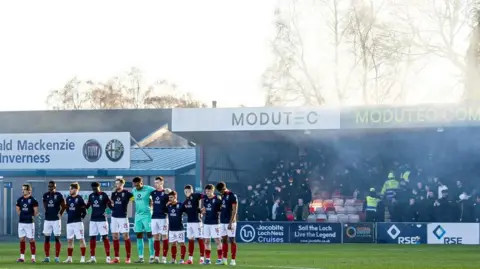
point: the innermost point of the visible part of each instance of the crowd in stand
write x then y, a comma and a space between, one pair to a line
330, 180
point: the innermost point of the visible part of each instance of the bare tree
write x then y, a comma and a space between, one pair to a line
129, 91
290, 79
367, 54
472, 75
70, 96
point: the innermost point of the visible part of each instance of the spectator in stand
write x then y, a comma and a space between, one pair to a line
426, 211
476, 209
278, 211
411, 212
301, 211
466, 207
445, 210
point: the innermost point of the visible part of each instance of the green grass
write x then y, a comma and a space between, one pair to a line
291, 256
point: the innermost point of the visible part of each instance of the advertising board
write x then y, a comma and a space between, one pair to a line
315, 233
263, 232
454, 233
402, 233
65, 151
254, 119
358, 233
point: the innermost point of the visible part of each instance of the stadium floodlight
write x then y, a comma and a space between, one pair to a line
118, 177
90, 177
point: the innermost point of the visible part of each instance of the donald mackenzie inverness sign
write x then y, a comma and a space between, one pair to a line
65, 151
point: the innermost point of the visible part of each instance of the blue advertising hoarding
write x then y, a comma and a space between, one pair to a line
263, 232
315, 233
402, 233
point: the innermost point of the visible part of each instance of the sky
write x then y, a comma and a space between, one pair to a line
215, 49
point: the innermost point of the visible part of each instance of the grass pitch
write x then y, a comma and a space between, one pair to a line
292, 256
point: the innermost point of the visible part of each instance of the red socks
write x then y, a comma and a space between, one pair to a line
106, 245
128, 248
165, 248
219, 254
201, 245
46, 248
33, 247
116, 248
58, 247
183, 251
70, 252
234, 250
83, 250
93, 246
22, 247
156, 246
207, 253
225, 250
191, 247
174, 252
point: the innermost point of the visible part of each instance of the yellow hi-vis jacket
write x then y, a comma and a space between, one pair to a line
405, 176
372, 203
389, 188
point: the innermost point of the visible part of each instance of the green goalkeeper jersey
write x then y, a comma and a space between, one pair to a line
142, 201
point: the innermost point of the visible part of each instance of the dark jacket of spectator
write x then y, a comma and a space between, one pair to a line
301, 212
411, 212
467, 208
476, 210
426, 212
446, 210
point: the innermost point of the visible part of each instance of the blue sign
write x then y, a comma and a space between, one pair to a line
7, 185
263, 232
105, 184
315, 233
402, 233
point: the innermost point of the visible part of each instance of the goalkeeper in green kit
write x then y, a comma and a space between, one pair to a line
143, 217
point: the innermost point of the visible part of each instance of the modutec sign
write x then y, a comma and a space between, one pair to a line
254, 119
65, 151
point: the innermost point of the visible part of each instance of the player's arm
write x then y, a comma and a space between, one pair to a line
35, 208
87, 206
63, 206
83, 208
17, 207
110, 204
44, 199
106, 200
234, 209
130, 197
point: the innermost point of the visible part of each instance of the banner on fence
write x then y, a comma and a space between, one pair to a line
358, 233
263, 232
315, 233
401, 233
454, 233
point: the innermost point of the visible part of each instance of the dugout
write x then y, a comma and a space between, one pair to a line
236, 144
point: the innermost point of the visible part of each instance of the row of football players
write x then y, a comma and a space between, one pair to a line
163, 223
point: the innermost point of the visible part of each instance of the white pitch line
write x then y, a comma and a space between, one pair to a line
280, 267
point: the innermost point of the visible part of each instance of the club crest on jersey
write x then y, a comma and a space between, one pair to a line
76, 200
100, 197
123, 194
55, 197
29, 201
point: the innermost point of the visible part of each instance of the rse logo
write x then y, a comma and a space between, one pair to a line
440, 233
